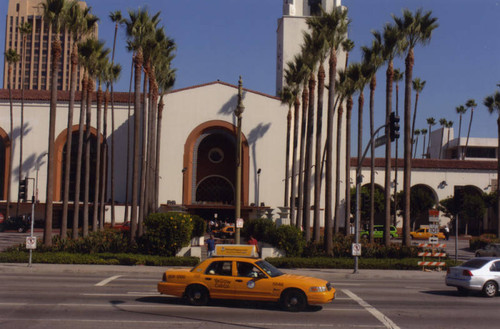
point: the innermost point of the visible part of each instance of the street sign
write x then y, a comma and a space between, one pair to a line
433, 240
31, 242
380, 141
239, 223
356, 249
433, 216
434, 229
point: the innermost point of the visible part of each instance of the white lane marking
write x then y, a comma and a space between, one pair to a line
13, 304
376, 313
191, 323
132, 294
106, 281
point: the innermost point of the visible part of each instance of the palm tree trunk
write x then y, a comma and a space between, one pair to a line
347, 220
69, 140
112, 171
21, 134
423, 146
97, 168
56, 55
104, 162
287, 156
144, 163
76, 210
468, 133
158, 148
373, 85
127, 178
137, 120
387, 183
305, 105
407, 148
293, 184
308, 161
329, 209
498, 175
336, 222
318, 166
9, 172
413, 122
86, 179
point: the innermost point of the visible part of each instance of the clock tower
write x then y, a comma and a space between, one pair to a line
290, 30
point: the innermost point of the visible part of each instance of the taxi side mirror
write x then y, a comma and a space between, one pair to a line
262, 275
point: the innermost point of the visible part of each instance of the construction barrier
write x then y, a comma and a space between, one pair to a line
432, 250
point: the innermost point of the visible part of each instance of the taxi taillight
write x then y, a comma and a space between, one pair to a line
164, 278
329, 286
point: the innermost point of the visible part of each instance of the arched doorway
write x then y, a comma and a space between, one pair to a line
60, 146
5, 151
209, 180
422, 199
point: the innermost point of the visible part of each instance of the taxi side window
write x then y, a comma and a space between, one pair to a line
220, 268
247, 270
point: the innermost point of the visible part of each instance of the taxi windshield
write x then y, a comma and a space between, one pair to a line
269, 269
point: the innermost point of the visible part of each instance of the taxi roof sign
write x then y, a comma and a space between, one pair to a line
236, 250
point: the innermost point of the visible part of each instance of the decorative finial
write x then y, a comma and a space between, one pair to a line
240, 108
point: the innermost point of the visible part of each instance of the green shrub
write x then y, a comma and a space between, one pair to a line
166, 234
262, 229
290, 240
199, 226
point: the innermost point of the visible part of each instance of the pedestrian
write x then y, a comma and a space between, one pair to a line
446, 232
254, 242
210, 246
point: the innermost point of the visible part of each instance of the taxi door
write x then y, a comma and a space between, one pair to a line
219, 279
252, 284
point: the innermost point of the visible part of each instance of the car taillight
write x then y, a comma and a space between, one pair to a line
466, 273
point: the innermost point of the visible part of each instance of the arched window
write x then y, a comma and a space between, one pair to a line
215, 189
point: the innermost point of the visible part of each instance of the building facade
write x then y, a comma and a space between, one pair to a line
37, 49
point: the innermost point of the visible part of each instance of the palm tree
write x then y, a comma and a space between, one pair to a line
117, 18
397, 77
331, 28
416, 133
293, 79
470, 104
431, 122
25, 30
53, 14
79, 22
12, 57
443, 122
372, 58
424, 133
418, 86
89, 21
166, 81
415, 29
287, 97
492, 103
138, 28
310, 51
102, 64
460, 111
449, 125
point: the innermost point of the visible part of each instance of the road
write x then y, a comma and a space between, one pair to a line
81, 297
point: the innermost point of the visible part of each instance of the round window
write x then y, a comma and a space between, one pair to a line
216, 155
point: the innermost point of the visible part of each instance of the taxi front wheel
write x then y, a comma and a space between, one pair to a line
197, 295
294, 300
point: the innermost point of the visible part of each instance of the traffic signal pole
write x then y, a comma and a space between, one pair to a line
394, 134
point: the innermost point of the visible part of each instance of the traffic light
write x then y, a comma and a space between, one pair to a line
459, 196
23, 186
393, 126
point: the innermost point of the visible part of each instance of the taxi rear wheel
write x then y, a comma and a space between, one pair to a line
197, 295
294, 300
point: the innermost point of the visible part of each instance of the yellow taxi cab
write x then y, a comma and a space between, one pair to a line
226, 231
245, 278
424, 233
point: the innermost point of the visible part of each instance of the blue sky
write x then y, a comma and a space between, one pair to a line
223, 39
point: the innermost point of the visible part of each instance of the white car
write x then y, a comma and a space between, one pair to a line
479, 274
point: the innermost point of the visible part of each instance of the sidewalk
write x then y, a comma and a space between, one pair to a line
327, 274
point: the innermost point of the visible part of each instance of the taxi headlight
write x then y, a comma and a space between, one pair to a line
317, 289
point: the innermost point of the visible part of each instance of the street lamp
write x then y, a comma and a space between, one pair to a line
238, 112
258, 186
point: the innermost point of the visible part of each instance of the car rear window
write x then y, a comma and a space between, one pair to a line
475, 263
